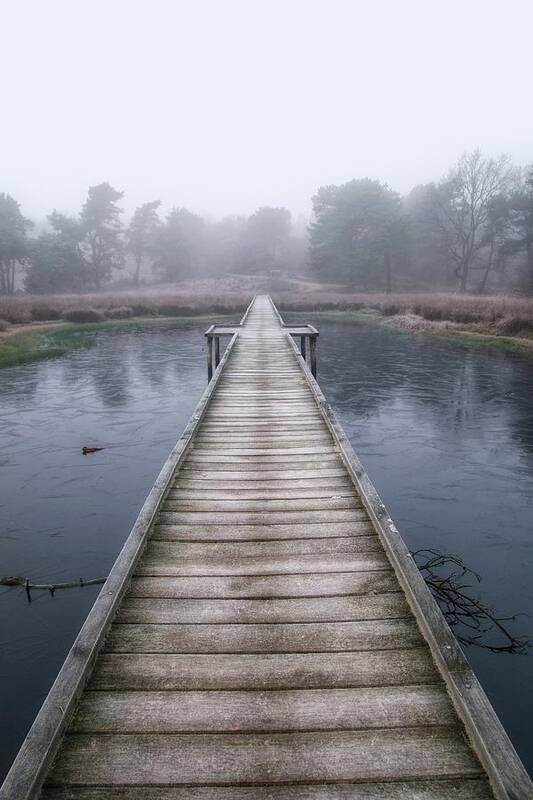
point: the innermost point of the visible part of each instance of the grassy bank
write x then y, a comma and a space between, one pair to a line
500, 318
455, 332
497, 315
39, 343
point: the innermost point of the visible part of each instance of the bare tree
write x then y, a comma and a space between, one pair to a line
462, 205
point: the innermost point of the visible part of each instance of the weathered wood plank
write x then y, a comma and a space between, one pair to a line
161, 671
276, 548
296, 637
263, 758
248, 586
166, 529
280, 464
284, 484
253, 711
180, 501
288, 450
363, 562
313, 609
267, 474
216, 492
260, 518
465, 789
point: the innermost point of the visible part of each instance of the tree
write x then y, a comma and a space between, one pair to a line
179, 245
55, 259
141, 234
358, 231
494, 239
102, 245
429, 264
521, 216
265, 240
462, 204
224, 244
13, 241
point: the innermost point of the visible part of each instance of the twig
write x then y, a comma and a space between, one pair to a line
16, 580
444, 573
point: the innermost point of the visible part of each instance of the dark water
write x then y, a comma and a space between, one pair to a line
445, 431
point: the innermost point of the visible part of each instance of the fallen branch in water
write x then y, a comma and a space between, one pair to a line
444, 574
16, 580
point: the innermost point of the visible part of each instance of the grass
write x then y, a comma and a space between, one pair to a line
224, 296
26, 346
496, 316
39, 344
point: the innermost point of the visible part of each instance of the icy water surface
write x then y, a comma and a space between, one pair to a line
444, 430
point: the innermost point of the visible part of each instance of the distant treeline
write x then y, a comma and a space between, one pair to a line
471, 231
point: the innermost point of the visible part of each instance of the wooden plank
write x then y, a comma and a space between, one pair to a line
280, 463
166, 530
247, 442
180, 501
191, 492
259, 426
267, 475
313, 609
275, 548
309, 585
253, 711
470, 789
259, 517
271, 452
164, 672
295, 637
263, 758
363, 562
196, 481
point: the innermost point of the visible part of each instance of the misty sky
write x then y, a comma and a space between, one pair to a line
224, 106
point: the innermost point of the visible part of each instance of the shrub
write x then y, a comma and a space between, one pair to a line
18, 316
433, 313
4, 325
465, 315
44, 313
171, 310
515, 323
143, 310
84, 315
390, 309
119, 312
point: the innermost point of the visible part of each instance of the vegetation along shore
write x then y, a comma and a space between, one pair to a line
36, 327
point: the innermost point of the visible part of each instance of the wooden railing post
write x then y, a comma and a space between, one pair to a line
209, 357
302, 346
312, 354
217, 351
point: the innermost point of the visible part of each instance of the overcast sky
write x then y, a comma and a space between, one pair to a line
226, 105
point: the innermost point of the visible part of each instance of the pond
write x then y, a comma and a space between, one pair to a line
444, 429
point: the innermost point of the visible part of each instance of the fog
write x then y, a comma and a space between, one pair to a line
224, 107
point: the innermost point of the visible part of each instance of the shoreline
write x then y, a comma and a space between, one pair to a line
420, 326
39, 341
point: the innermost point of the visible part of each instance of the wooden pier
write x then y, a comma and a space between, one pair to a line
264, 633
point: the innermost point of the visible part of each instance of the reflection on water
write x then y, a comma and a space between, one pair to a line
445, 431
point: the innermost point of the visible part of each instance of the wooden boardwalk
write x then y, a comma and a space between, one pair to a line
274, 640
